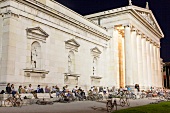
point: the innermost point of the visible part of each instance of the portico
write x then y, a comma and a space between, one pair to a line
140, 43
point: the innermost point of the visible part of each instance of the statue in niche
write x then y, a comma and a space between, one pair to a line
69, 63
93, 70
130, 2
94, 66
34, 55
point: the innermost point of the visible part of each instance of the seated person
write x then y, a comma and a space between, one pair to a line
90, 93
39, 89
75, 89
53, 89
24, 90
104, 91
2, 92
14, 92
31, 90
83, 94
19, 89
154, 94
78, 94
8, 89
48, 90
58, 92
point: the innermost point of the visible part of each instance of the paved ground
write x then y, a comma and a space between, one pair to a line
73, 107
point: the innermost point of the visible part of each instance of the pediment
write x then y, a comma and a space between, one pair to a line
72, 42
37, 31
148, 16
96, 50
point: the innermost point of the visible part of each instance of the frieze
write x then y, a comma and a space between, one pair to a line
82, 25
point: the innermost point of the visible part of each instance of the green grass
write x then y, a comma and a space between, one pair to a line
163, 107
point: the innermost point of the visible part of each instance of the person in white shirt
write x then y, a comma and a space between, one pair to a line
104, 91
31, 90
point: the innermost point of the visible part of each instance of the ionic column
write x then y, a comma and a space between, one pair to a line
148, 62
159, 65
114, 46
128, 56
156, 78
139, 57
144, 61
151, 64
134, 56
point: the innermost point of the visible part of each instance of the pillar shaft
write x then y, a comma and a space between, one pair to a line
128, 56
144, 62
139, 56
148, 63
134, 57
159, 66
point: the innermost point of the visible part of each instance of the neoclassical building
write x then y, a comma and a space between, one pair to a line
43, 42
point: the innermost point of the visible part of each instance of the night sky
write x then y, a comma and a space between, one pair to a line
160, 9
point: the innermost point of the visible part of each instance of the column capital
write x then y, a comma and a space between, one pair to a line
139, 33
155, 44
126, 25
158, 46
133, 29
151, 41
115, 29
144, 36
147, 39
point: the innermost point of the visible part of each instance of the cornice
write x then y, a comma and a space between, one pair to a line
124, 10
145, 23
8, 14
67, 18
76, 13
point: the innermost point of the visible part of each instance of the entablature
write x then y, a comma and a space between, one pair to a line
94, 29
142, 15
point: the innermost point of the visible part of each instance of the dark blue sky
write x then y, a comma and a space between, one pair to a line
160, 9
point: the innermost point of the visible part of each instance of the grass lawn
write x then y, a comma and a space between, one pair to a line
163, 107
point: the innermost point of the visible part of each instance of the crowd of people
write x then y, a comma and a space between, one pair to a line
66, 92
10, 89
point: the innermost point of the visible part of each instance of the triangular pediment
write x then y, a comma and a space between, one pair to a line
72, 42
96, 50
149, 18
37, 31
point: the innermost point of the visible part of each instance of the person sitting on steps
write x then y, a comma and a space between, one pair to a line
31, 90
